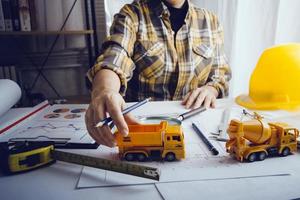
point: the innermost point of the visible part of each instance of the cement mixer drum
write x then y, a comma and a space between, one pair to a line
257, 131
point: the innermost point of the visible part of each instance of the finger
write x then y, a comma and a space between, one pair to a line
96, 134
192, 98
199, 100
213, 102
90, 126
130, 119
185, 98
101, 136
207, 101
103, 133
106, 134
115, 112
99, 113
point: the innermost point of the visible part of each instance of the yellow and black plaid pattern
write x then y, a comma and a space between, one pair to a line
144, 52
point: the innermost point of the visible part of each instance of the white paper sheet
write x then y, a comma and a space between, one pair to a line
282, 187
9, 96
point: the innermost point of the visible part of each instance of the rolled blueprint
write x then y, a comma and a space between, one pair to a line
10, 94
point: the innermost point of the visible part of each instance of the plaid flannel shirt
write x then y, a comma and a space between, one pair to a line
144, 52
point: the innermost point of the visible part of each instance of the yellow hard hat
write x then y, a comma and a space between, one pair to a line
275, 82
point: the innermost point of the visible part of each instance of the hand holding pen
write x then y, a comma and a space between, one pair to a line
112, 103
107, 120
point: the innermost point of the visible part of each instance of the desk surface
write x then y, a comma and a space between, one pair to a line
59, 181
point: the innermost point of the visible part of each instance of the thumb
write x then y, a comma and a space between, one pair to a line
130, 119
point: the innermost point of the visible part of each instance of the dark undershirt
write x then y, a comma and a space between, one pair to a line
177, 18
177, 15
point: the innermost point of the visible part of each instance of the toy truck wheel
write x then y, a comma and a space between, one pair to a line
286, 151
129, 157
262, 155
141, 157
170, 157
252, 157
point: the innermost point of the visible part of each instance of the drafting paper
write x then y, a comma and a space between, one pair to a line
282, 187
197, 169
199, 164
200, 169
66, 123
16, 118
10, 94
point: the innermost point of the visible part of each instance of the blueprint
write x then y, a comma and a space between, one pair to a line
55, 122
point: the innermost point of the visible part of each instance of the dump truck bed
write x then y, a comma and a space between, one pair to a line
142, 135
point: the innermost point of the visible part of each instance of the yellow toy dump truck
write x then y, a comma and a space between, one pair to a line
152, 141
254, 140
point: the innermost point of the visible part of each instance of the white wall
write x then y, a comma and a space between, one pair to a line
288, 26
254, 31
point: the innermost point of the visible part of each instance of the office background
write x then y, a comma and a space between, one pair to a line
250, 26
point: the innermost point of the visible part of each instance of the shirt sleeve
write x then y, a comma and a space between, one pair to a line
220, 73
118, 48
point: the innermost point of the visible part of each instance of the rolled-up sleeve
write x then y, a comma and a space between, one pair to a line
220, 73
117, 49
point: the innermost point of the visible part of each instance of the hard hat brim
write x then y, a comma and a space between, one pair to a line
248, 102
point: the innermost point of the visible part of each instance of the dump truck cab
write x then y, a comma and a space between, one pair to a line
173, 143
287, 138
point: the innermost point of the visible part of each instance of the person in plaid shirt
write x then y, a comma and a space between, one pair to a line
163, 49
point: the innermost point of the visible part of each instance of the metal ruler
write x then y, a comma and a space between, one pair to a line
111, 165
18, 157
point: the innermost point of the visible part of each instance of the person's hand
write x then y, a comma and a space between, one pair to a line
205, 95
107, 102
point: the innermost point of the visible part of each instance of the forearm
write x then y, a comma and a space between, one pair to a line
105, 79
106, 100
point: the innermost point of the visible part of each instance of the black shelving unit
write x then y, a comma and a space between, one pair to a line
14, 38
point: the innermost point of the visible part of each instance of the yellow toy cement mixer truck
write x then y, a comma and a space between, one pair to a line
152, 141
254, 140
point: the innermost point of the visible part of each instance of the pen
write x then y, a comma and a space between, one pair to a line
125, 111
191, 113
205, 140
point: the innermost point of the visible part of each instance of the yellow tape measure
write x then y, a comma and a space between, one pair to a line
25, 156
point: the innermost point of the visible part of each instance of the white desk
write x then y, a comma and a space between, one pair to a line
59, 181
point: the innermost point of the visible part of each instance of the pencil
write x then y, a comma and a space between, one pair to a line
124, 112
205, 140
